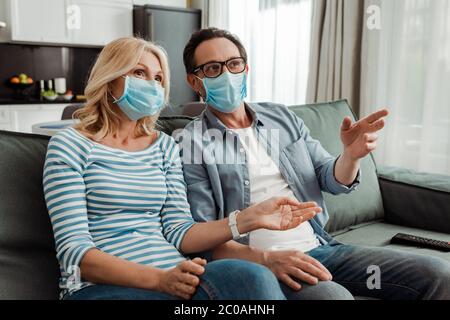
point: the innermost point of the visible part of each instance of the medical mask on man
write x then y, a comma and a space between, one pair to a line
140, 98
226, 92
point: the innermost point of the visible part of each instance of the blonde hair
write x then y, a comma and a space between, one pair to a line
116, 59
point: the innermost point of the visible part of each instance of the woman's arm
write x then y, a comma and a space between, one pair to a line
272, 214
103, 268
181, 281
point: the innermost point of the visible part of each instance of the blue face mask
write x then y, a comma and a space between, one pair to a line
226, 92
141, 98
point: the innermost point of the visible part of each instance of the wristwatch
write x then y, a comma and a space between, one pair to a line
232, 222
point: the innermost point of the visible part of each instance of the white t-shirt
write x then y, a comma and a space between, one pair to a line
266, 181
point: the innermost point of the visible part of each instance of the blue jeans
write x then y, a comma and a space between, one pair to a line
222, 280
403, 275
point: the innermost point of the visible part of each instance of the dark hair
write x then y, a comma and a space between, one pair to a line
203, 35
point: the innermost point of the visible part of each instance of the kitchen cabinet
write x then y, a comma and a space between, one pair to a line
38, 21
66, 22
5, 30
5, 116
21, 118
101, 21
6, 126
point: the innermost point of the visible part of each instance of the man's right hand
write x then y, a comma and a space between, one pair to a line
292, 265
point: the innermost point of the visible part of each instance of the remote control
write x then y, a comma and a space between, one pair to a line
408, 239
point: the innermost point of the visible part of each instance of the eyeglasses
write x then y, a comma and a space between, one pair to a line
214, 69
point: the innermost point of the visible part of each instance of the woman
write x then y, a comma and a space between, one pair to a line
117, 201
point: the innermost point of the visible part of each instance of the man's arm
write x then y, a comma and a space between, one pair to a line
346, 170
335, 175
358, 140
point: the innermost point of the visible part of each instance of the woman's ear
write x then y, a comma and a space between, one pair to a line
117, 87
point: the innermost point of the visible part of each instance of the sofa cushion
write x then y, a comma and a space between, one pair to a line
28, 265
379, 234
365, 203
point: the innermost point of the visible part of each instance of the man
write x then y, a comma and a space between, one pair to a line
237, 154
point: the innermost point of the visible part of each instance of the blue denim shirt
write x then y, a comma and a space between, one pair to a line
215, 189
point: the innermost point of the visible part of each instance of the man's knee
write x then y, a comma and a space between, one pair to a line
249, 280
437, 273
256, 274
324, 290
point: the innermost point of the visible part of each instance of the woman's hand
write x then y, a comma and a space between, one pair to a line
276, 214
182, 281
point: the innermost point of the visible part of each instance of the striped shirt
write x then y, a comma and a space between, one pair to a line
128, 204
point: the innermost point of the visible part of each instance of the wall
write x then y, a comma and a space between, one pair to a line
202, 5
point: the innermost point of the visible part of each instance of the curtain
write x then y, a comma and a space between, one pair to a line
276, 35
335, 65
407, 68
218, 13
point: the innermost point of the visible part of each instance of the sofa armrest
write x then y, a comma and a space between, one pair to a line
414, 199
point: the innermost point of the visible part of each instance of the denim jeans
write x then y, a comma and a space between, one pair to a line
222, 280
403, 275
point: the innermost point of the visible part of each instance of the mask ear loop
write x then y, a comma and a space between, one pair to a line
110, 93
199, 92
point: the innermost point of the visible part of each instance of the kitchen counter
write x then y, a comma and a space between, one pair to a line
9, 101
21, 116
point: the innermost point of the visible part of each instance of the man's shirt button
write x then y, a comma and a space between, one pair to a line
246, 182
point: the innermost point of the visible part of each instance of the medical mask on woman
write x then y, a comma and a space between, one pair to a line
141, 98
226, 92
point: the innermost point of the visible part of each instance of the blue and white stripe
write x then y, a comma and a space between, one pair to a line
128, 204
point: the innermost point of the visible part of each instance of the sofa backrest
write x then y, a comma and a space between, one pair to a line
168, 124
28, 265
364, 204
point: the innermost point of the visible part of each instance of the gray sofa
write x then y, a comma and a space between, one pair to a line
388, 201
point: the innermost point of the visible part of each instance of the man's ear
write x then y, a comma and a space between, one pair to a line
191, 80
195, 84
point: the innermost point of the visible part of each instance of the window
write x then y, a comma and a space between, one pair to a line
411, 75
276, 35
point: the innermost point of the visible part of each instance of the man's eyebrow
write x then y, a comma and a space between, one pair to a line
211, 61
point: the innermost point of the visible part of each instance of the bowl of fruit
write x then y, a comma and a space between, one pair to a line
20, 84
68, 95
49, 95
22, 81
